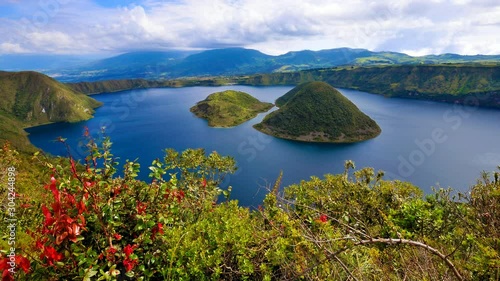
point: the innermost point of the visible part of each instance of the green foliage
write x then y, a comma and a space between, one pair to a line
465, 84
229, 108
317, 112
89, 224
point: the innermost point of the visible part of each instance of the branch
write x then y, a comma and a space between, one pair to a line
391, 241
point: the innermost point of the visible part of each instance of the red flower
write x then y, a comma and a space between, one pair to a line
117, 236
157, 229
80, 205
130, 264
7, 276
49, 220
160, 228
4, 264
323, 218
23, 263
53, 188
128, 250
110, 253
51, 254
39, 244
141, 208
204, 183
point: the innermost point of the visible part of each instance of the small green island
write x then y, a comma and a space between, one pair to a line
229, 108
317, 112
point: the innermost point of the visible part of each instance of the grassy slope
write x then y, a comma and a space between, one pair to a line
229, 108
30, 99
444, 83
317, 112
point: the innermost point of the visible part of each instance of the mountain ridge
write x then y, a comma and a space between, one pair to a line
240, 61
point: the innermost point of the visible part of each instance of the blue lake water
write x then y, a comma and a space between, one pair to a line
426, 143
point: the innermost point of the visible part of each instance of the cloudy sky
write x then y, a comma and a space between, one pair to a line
271, 26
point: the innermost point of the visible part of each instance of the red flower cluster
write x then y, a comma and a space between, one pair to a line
58, 222
141, 208
175, 194
110, 253
8, 266
51, 255
158, 228
128, 262
61, 222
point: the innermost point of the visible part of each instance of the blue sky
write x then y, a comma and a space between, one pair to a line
115, 3
417, 27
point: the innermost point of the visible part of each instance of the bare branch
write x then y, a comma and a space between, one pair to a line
436, 252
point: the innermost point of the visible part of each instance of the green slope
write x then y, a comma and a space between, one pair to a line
465, 84
229, 108
31, 98
316, 112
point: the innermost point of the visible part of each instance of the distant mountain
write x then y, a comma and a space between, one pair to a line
238, 61
31, 98
324, 58
222, 62
317, 112
144, 64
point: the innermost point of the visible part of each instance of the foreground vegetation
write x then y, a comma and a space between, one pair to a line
317, 112
80, 221
229, 108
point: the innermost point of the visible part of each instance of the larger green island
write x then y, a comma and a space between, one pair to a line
229, 108
317, 112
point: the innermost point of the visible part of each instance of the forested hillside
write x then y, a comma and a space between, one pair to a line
31, 98
465, 84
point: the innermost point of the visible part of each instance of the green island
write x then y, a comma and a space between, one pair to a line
82, 221
229, 108
317, 112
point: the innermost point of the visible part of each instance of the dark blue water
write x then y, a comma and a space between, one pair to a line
426, 143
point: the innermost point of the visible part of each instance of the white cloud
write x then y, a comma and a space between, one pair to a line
277, 26
11, 48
